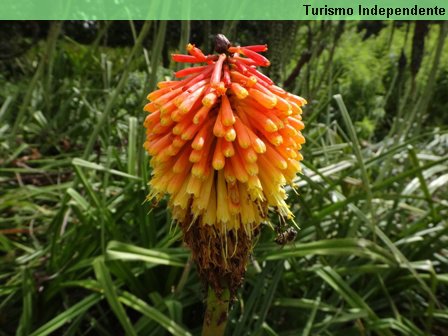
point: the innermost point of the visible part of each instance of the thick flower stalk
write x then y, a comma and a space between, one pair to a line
224, 141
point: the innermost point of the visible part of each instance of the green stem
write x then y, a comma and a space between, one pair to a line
215, 319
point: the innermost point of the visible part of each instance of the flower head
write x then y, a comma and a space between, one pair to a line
224, 141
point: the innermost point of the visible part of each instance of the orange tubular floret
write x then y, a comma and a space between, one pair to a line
190, 83
264, 123
204, 200
262, 77
180, 127
239, 91
226, 75
265, 100
235, 50
278, 91
163, 157
209, 99
257, 144
239, 169
183, 82
234, 198
228, 119
177, 115
257, 58
274, 138
227, 148
264, 89
251, 168
273, 114
260, 120
270, 171
249, 165
291, 172
246, 61
182, 163
242, 136
178, 142
188, 103
229, 174
194, 185
219, 159
287, 141
296, 110
160, 129
190, 71
187, 117
283, 105
248, 154
219, 129
150, 107
152, 119
165, 84
181, 58
220, 88
158, 93
190, 132
299, 139
195, 155
290, 131
184, 95
167, 108
296, 99
217, 71
166, 98
201, 136
158, 145
196, 52
201, 114
160, 183
176, 183
297, 124
173, 150
286, 152
277, 121
199, 169
188, 90
241, 67
230, 134
257, 48
243, 80
166, 121
222, 210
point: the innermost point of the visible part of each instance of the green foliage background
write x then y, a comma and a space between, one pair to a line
83, 254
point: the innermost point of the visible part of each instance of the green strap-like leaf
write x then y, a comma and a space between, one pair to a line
104, 278
139, 305
67, 316
121, 251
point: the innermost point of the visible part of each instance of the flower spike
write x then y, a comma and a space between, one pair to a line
224, 141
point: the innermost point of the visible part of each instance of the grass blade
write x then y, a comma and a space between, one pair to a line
104, 278
139, 305
121, 251
342, 246
68, 315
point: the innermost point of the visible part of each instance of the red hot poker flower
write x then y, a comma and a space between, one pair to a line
224, 141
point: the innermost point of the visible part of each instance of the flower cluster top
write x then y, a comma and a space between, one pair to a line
224, 139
